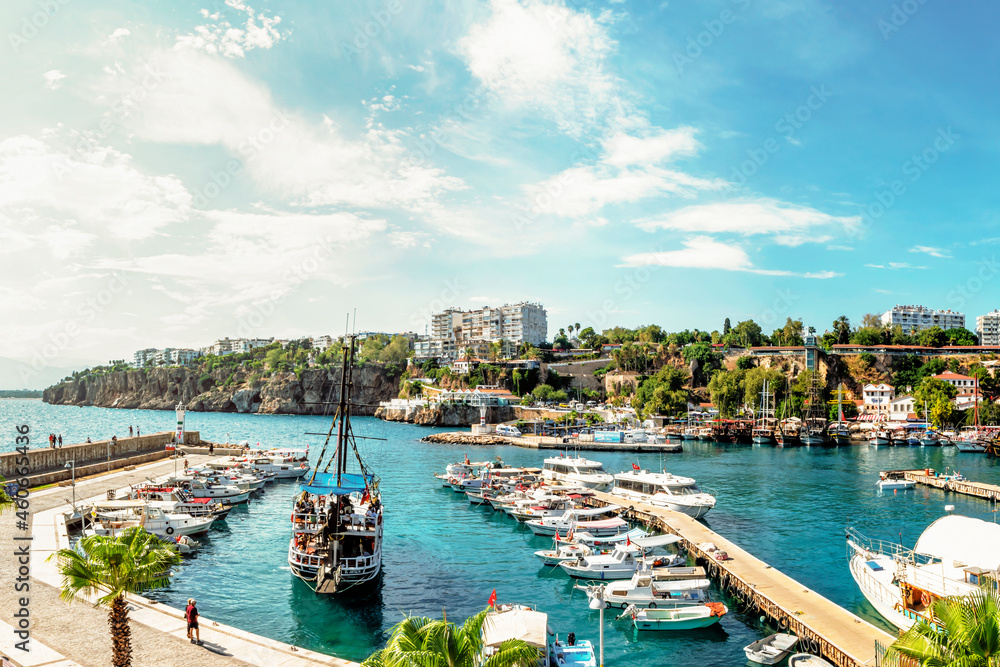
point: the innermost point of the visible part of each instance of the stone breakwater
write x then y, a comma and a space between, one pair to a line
466, 439
444, 414
227, 390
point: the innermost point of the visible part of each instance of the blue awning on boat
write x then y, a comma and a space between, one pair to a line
325, 484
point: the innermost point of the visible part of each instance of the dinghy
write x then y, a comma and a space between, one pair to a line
771, 650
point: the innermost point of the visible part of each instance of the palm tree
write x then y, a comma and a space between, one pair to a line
967, 634
128, 563
417, 641
842, 328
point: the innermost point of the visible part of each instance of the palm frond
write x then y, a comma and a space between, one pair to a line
513, 652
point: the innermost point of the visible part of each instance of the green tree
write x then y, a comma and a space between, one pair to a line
965, 633
906, 373
842, 330
111, 567
961, 336
867, 336
753, 385
662, 393
937, 395
424, 642
726, 327
726, 390
933, 337
745, 363
748, 334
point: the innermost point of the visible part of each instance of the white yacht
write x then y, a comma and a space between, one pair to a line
119, 515
651, 588
952, 557
200, 488
621, 563
679, 494
580, 471
590, 520
283, 465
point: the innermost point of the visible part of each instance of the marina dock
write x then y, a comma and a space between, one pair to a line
947, 483
823, 627
549, 442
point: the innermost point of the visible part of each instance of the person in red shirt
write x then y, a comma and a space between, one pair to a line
191, 614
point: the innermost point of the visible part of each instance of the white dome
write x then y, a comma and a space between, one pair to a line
961, 541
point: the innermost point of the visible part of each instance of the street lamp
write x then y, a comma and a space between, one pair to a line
597, 602
72, 466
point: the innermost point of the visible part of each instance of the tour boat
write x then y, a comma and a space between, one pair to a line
652, 588
879, 437
182, 500
764, 428
952, 557
772, 649
336, 541
580, 520
813, 431
679, 494
130, 513
678, 616
584, 472
621, 563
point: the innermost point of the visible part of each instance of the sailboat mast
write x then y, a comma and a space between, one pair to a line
342, 464
343, 412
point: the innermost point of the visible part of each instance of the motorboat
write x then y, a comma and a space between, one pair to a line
679, 494
652, 587
894, 481
131, 513
572, 653
678, 616
199, 488
969, 446
807, 660
185, 544
839, 433
580, 471
621, 563
930, 439
284, 465
580, 520
772, 649
461, 470
705, 433
583, 537
879, 437
952, 558
183, 501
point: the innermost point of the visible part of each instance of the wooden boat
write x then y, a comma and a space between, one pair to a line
679, 616
771, 650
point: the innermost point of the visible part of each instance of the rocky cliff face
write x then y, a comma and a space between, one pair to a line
447, 414
223, 390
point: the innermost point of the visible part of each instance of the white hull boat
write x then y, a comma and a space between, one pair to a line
151, 518
679, 494
679, 616
652, 588
577, 471
771, 650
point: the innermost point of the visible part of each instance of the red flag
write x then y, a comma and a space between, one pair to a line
493, 598
557, 534
628, 542
635, 466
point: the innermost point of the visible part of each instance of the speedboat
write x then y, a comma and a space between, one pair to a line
678, 616
565, 552
894, 481
580, 471
772, 649
583, 537
652, 588
572, 653
679, 494
621, 563
580, 520
131, 513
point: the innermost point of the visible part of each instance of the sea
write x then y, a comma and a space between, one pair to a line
789, 507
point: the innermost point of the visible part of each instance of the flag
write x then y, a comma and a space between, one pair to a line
628, 541
557, 534
635, 466
493, 598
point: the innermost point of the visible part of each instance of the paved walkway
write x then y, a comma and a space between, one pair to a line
66, 634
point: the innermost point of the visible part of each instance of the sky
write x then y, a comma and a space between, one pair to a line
172, 172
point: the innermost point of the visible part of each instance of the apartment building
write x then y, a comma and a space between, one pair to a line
454, 330
917, 318
988, 328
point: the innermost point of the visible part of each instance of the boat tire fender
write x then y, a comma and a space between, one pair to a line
817, 649
652, 605
783, 623
169, 530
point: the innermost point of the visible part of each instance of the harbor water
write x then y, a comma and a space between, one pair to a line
788, 507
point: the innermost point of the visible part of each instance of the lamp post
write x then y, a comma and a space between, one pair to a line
72, 466
598, 602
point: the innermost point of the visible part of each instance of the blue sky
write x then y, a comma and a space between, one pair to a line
173, 172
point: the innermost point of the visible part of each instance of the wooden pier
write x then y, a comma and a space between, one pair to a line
823, 627
965, 487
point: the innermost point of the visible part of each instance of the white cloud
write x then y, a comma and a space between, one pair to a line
537, 55
233, 41
118, 35
894, 266
97, 187
53, 79
933, 252
791, 225
654, 145
703, 252
409, 239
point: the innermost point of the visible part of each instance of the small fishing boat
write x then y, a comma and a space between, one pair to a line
565, 552
930, 439
678, 616
894, 481
650, 588
583, 537
572, 653
771, 650
623, 561
879, 437
130, 513
807, 660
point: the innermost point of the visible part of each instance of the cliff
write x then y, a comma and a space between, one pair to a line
225, 390
445, 414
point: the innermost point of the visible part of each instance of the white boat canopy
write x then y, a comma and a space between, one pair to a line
962, 541
523, 624
654, 541
596, 511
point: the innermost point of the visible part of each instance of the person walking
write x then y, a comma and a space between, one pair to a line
191, 614
60, 440
52, 440
130, 431
114, 440
137, 434
211, 448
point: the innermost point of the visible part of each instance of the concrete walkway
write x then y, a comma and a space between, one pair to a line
78, 633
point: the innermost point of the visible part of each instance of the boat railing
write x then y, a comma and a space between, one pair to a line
309, 518
870, 583
885, 548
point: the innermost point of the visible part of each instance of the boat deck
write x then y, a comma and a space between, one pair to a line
842, 637
968, 488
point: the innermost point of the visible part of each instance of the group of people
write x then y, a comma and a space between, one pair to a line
54, 440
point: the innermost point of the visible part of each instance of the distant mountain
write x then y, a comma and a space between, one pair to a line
15, 374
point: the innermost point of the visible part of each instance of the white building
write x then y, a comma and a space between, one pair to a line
900, 408
876, 398
167, 356
963, 383
988, 328
454, 330
141, 357
322, 343
917, 318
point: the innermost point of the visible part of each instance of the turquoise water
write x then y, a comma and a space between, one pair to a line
788, 507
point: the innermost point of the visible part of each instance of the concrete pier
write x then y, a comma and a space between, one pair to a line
968, 488
823, 627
